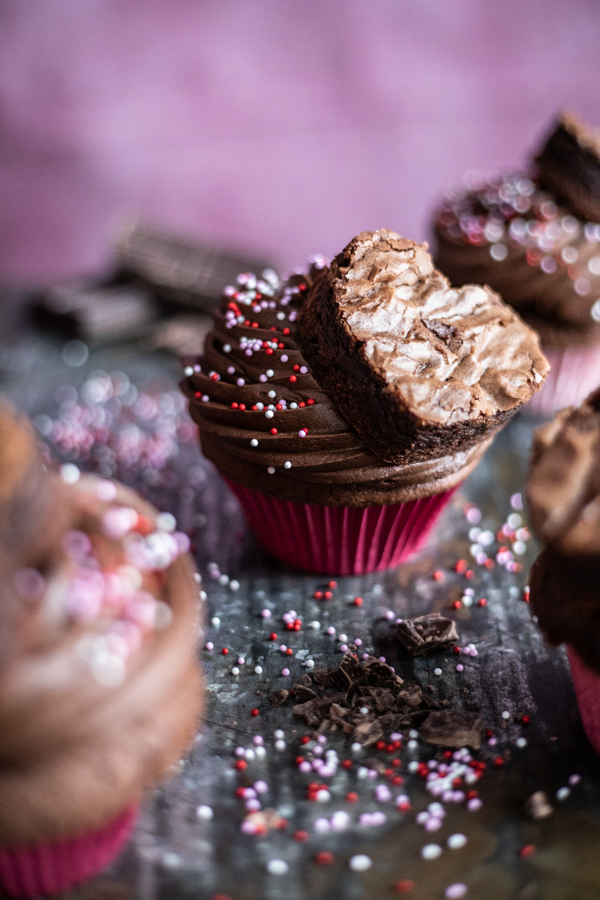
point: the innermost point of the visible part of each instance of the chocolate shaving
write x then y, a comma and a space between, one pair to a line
453, 728
302, 694
278, 697
424, 634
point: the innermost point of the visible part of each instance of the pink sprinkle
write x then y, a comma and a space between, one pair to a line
460, 667
266, 613
209, 645
285, 672
474, 804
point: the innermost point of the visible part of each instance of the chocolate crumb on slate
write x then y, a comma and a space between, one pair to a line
424, 634
453, 728
371, 701
278, 697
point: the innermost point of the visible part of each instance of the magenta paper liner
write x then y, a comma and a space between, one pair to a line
51, 867
587, 688
573, 375
340, 540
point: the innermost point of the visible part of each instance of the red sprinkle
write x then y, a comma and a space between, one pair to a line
255, 324
286, 331
272, 636
469, 574
482, 602
327, 595
224, 651
289, 652
281, 346
318, 595
302, 403
255, 712
296, 368
498, 761
525, 720
234, 406
310, 401
438, 575
324, 858
347, 764
304, 739
331, 584
490, 564
242, 406
197, 394
358, 601
292, 378
380, 745
352, 797
404, 886
456, 650
214, 376
456, 604
240, 764
527, 850
461, 566
269, 351
273, 431
301, 835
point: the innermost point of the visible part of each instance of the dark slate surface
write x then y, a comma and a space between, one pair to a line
175, 855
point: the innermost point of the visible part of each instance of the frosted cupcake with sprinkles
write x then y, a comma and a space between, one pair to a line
346, 405
99, 686
535, 238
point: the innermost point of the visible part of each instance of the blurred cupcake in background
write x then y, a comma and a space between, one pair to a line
345, 406
563, 496
536, 240
100, 691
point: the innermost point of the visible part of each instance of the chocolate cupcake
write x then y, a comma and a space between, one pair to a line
345, 406
536, 240
99, 687
563, 496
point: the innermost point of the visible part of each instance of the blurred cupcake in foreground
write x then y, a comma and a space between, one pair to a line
537, 242
563, 496
99, 687
345, 406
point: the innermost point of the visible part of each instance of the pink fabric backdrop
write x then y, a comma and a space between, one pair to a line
284, 126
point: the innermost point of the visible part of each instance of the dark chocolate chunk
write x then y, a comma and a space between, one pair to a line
411, 696
368, 733
383, 697
278, 697
180, 270
321, 677
308, 713
96, 314
424, 634
453, 728
348, 671
305, 680
302, 693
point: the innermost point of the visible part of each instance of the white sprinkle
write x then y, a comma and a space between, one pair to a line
234, 585
431, 851
360, 863
254, 442
277, 867
437, 671
287, 464
271, 470
69, 473
226, 348
521, 742
204, 812
269, 414
456, 841
506, 714
280, 745
314, 624
235, 671
562, 793
455, 891
224, 580
258, 670
498, 252
310, 664
279, 734
272, 394
270, 373
356, 747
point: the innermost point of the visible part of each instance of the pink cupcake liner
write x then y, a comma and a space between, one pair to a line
340, 540
51, 867
587, 688
573, 375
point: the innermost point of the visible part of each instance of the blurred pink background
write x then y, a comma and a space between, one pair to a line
282, 126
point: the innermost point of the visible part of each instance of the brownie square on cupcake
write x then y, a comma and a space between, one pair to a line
343, 459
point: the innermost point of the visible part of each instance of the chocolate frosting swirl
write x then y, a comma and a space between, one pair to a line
563, 497
266, 423
99, 689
